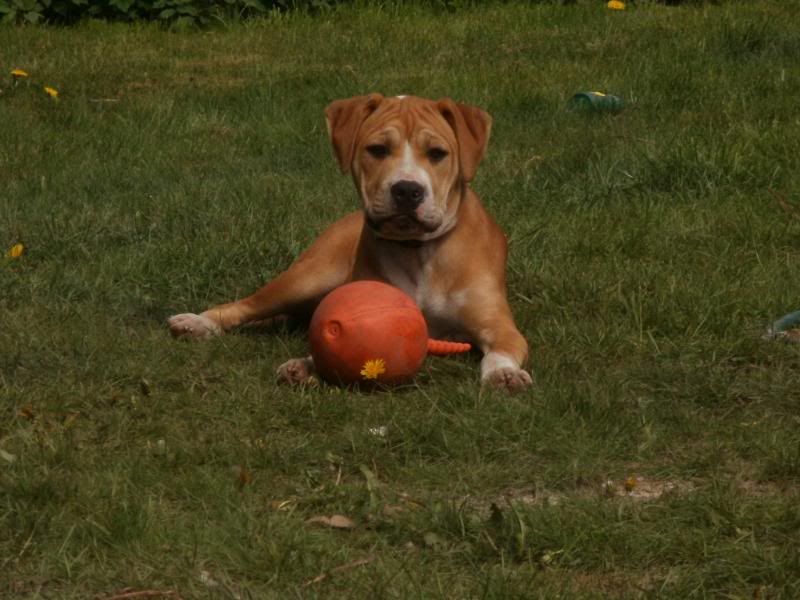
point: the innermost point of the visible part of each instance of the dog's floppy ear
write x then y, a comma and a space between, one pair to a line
344, 119
472, 127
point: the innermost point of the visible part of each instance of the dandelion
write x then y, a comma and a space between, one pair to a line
52, 92
616, 5
18, 74
15, 251
373, 368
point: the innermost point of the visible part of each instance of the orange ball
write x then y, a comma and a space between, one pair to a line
368, 332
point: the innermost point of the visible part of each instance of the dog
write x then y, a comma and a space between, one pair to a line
421, 229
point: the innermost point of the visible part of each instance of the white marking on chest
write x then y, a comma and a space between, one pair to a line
431, 300
414, 273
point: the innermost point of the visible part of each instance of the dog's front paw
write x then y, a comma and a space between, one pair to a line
297, 371
510, 379
500, 371
190, 325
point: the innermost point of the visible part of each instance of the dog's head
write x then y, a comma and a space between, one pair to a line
410, 158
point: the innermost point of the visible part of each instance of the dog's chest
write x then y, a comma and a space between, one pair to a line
416, 275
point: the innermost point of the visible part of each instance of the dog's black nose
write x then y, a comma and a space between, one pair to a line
407, 195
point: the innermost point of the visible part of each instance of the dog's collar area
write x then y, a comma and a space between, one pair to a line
403, 243
411, 243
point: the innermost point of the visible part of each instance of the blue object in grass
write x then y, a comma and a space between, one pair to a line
596, 102
783, 327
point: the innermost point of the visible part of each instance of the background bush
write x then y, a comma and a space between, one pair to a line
180, 12
203, 12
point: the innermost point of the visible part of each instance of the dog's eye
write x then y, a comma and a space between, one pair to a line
378, 150
436, 155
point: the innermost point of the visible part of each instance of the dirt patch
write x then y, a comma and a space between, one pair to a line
639, 489
644, 489
768, 488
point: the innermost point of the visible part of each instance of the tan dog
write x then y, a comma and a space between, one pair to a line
421, 229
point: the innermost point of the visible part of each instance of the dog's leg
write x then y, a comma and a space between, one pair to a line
326, 265
503, 357
491, 325
297, 371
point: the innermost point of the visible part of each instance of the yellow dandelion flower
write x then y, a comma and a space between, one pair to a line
15, 251
18, 74
616, 5
373, 368
52, 92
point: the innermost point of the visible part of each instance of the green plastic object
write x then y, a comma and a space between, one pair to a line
786, 328
596, 102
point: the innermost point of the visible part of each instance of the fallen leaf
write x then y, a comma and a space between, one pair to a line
341, 522
432, 540
372, 479
339, 569
70, 419
282, 504
243, 476
334, 521
373, 486
207, 580
413, 504
392, 510
334, 459
549, 556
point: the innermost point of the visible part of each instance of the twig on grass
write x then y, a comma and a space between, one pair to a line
340, 569
129, 594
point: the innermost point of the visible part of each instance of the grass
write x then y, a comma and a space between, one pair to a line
178, 170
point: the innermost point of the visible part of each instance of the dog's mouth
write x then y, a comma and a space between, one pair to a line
401, 226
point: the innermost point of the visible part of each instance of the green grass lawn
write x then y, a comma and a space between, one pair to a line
648, 256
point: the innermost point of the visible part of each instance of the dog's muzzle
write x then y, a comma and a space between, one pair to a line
407, 195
